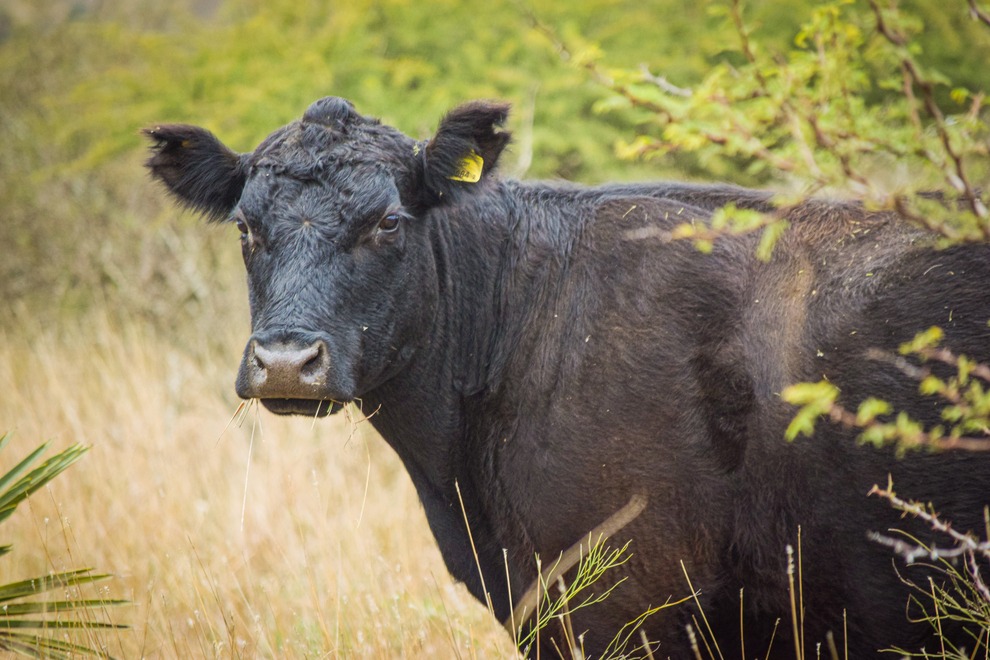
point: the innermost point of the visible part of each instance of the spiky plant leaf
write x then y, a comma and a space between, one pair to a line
27, 627
34, 646
40, 585
56, 606
12, 495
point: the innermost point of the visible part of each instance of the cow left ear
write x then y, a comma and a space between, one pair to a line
466, 147
197, 168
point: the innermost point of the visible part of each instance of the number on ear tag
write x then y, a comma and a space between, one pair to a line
469, 168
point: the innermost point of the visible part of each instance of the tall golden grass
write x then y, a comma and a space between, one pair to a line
288, 538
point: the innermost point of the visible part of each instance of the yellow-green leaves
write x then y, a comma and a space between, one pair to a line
930, 338
814, 399
730, 220
955, 382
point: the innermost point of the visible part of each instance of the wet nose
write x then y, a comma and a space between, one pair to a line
285, 370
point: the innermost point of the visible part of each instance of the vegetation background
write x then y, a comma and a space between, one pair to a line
122, 319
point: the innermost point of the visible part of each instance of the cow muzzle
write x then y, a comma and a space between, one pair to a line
290, 377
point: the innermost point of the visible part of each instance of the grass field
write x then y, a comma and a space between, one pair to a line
275, 538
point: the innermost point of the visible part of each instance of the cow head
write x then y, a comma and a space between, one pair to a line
333, 217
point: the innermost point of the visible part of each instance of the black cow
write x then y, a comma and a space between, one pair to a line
546, 349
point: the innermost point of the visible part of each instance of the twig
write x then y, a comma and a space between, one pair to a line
964, 541
976, 13
663, 83
945, 356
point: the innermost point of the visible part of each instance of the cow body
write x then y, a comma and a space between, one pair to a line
544, 352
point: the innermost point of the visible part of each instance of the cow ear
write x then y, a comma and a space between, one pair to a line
197, 168
466, 147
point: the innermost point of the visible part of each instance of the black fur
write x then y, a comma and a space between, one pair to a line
548, 351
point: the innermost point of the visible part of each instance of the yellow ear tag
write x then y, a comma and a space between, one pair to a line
469, 168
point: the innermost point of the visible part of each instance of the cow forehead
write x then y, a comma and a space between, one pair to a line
332, 193
312, 150
336, 171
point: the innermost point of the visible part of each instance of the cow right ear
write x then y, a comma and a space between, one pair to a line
199, 171
466, 147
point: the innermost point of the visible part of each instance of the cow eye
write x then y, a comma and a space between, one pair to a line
389, 223
243, 228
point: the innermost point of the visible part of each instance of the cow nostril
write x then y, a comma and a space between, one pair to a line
316, 366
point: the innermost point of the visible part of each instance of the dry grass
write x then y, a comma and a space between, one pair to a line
321, 549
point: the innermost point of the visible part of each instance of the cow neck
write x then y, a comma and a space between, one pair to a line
421, 412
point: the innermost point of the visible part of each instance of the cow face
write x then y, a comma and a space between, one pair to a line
333, 213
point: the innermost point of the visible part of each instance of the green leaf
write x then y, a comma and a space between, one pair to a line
771, 234
870, 409
54, 624
37, 478
929, 338
874, 435
19, 469
803, 423
704, 246
42, 647
931, 385
822, 393
45, 583
53, 607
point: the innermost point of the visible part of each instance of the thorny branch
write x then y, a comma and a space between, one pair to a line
663, 83
966, 545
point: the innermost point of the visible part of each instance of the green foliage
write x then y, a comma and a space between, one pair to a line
963, 395
78, 81
26, 626
855, 104
852, 105
732, 220
559, 601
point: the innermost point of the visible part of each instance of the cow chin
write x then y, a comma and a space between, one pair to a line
307, 407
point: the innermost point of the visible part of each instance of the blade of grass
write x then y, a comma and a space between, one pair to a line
701, 611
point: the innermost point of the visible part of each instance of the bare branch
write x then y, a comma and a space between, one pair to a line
978, 14
946, 356
663, 83
966, 541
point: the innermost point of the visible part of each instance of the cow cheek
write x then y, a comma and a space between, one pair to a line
405, 325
